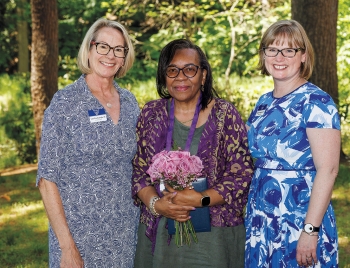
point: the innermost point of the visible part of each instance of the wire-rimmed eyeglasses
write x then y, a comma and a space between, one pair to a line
103, 49
286, 52
189, 71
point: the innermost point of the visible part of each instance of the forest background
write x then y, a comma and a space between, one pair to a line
229, 32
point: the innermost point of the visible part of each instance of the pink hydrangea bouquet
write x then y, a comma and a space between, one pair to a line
178, 169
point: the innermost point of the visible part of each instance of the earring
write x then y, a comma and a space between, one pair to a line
202, 88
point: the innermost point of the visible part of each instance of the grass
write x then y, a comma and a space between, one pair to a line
341, 203
23, 222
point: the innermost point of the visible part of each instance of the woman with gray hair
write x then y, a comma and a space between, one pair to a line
88, 143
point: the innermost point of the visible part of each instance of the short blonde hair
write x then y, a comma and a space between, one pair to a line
292, 31
83, 55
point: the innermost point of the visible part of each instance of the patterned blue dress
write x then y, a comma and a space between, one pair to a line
89, 158
283, 178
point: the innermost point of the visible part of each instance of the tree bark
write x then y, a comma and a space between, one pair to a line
23, 46
44, 59
319, 19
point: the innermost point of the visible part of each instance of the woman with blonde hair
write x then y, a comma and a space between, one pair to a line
88, 143
294, 134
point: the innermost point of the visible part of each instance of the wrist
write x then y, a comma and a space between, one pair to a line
311, 229
151, 207
205, 199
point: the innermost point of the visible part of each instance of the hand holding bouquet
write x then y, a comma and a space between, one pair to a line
178, 169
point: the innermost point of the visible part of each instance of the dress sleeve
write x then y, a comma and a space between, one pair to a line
150, 140
52, 147
234, 180
321, 111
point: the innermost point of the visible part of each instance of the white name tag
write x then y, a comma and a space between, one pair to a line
97, 115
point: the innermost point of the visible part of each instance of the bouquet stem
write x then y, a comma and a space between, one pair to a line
183, 233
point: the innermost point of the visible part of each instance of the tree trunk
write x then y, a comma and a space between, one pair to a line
44, 60
319, 19
22, 27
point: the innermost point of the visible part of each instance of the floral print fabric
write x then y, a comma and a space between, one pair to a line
283, 178
90, 162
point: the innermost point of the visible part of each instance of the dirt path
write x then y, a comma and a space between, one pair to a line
18, 170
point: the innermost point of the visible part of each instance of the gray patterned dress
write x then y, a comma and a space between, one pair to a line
89, 159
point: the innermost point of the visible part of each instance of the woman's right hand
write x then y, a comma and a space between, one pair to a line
167, 208
71, 258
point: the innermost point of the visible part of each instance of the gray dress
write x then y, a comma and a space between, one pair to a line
89, 158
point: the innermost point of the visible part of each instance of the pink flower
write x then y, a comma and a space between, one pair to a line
178, 168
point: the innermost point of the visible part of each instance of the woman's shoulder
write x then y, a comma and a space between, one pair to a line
155, 105
71, 90
221, 104
316, 94
125, 93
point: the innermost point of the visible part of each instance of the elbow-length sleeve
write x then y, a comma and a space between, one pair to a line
52, 145
151, 137
230, 166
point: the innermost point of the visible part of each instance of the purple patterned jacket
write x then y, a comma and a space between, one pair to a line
223, 149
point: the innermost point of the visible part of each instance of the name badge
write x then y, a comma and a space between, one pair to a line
98, 115
261, 109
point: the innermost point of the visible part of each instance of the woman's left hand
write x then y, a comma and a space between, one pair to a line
186, 197
306, 249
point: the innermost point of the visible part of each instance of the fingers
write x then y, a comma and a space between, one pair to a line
307, 260
166, 207
183, 218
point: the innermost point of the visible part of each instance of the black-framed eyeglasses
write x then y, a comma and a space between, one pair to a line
103, 49
286, 52
189, 71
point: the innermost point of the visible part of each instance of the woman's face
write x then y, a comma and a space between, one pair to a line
106, 66
283, 68
181, 87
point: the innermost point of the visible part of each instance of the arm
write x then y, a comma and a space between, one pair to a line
54, 210
165, 205
325, 148
151, 134
227, 162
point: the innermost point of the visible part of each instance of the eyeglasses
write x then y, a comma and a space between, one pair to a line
189, 71
286, 52
103, 49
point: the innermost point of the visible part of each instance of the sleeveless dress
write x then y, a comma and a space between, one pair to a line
283, 178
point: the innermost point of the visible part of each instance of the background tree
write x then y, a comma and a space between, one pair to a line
22, 37
44, 60
319, 19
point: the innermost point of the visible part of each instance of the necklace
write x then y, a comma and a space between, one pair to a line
109, 105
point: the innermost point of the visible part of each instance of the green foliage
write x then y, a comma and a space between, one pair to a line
8, 33
23, 223
244, 92
343, 59
16, 117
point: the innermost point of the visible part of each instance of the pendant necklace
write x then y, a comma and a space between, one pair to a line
108, 104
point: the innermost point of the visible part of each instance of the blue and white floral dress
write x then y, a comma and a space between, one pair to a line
283, 178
